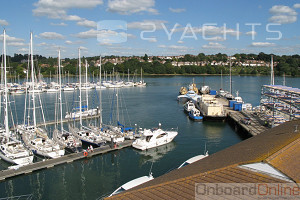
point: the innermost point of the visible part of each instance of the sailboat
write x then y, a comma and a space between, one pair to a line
83, 111
128, 83
108, 132
62, 137
141, 83
85, 134
35, 138
11, 149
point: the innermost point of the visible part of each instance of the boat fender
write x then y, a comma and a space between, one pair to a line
85, 153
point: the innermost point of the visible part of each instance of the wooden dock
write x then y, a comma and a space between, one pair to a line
256, 127
9, 173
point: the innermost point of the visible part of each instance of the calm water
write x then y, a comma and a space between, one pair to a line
146, 107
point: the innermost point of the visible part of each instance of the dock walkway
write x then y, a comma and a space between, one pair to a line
256, 127
4, 174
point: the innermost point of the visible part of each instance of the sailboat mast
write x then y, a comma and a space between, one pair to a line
230, 81
60, 98
100, 94
272, 71
5, 87
128, 75
80, 104
32, 80
86, 84
118, 114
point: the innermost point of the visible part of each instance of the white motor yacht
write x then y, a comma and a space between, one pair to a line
153, 138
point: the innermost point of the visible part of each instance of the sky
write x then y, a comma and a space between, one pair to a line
153, 27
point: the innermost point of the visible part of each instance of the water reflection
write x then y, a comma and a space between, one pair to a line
155, 154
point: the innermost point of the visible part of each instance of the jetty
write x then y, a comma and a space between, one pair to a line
49, 163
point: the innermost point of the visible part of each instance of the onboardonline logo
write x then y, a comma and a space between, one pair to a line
247, 190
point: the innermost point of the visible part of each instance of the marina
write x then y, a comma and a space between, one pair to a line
159, 152
46, 164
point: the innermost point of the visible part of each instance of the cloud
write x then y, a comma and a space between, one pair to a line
282, 10
127, 7
251, 33
213, 45
153, 40
146, 24
104, 36
57, 9
282, 14
283, 19
83, 48
11, 39
177, 10
92, 33
174, 47
68, 42
87, 23
51, 36
262, 44
3, 22
16, 44
58, 24
209, 30
297, 5
23, 50
180, 42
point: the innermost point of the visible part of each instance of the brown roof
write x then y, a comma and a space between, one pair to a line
287, 160
223, 166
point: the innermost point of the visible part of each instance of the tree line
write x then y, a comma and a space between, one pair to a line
285, 64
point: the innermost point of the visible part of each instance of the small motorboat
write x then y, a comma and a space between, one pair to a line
195, 114
188, 106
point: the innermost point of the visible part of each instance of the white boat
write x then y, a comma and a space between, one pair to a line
195, 114
141, 83
67, 140
193, 159
62, 137
133, 183
153, 138
238, 99
11, 149
52, 90
109, 133
190, 95
14, 152
40, 144
87, 136
36, 139
188, 106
